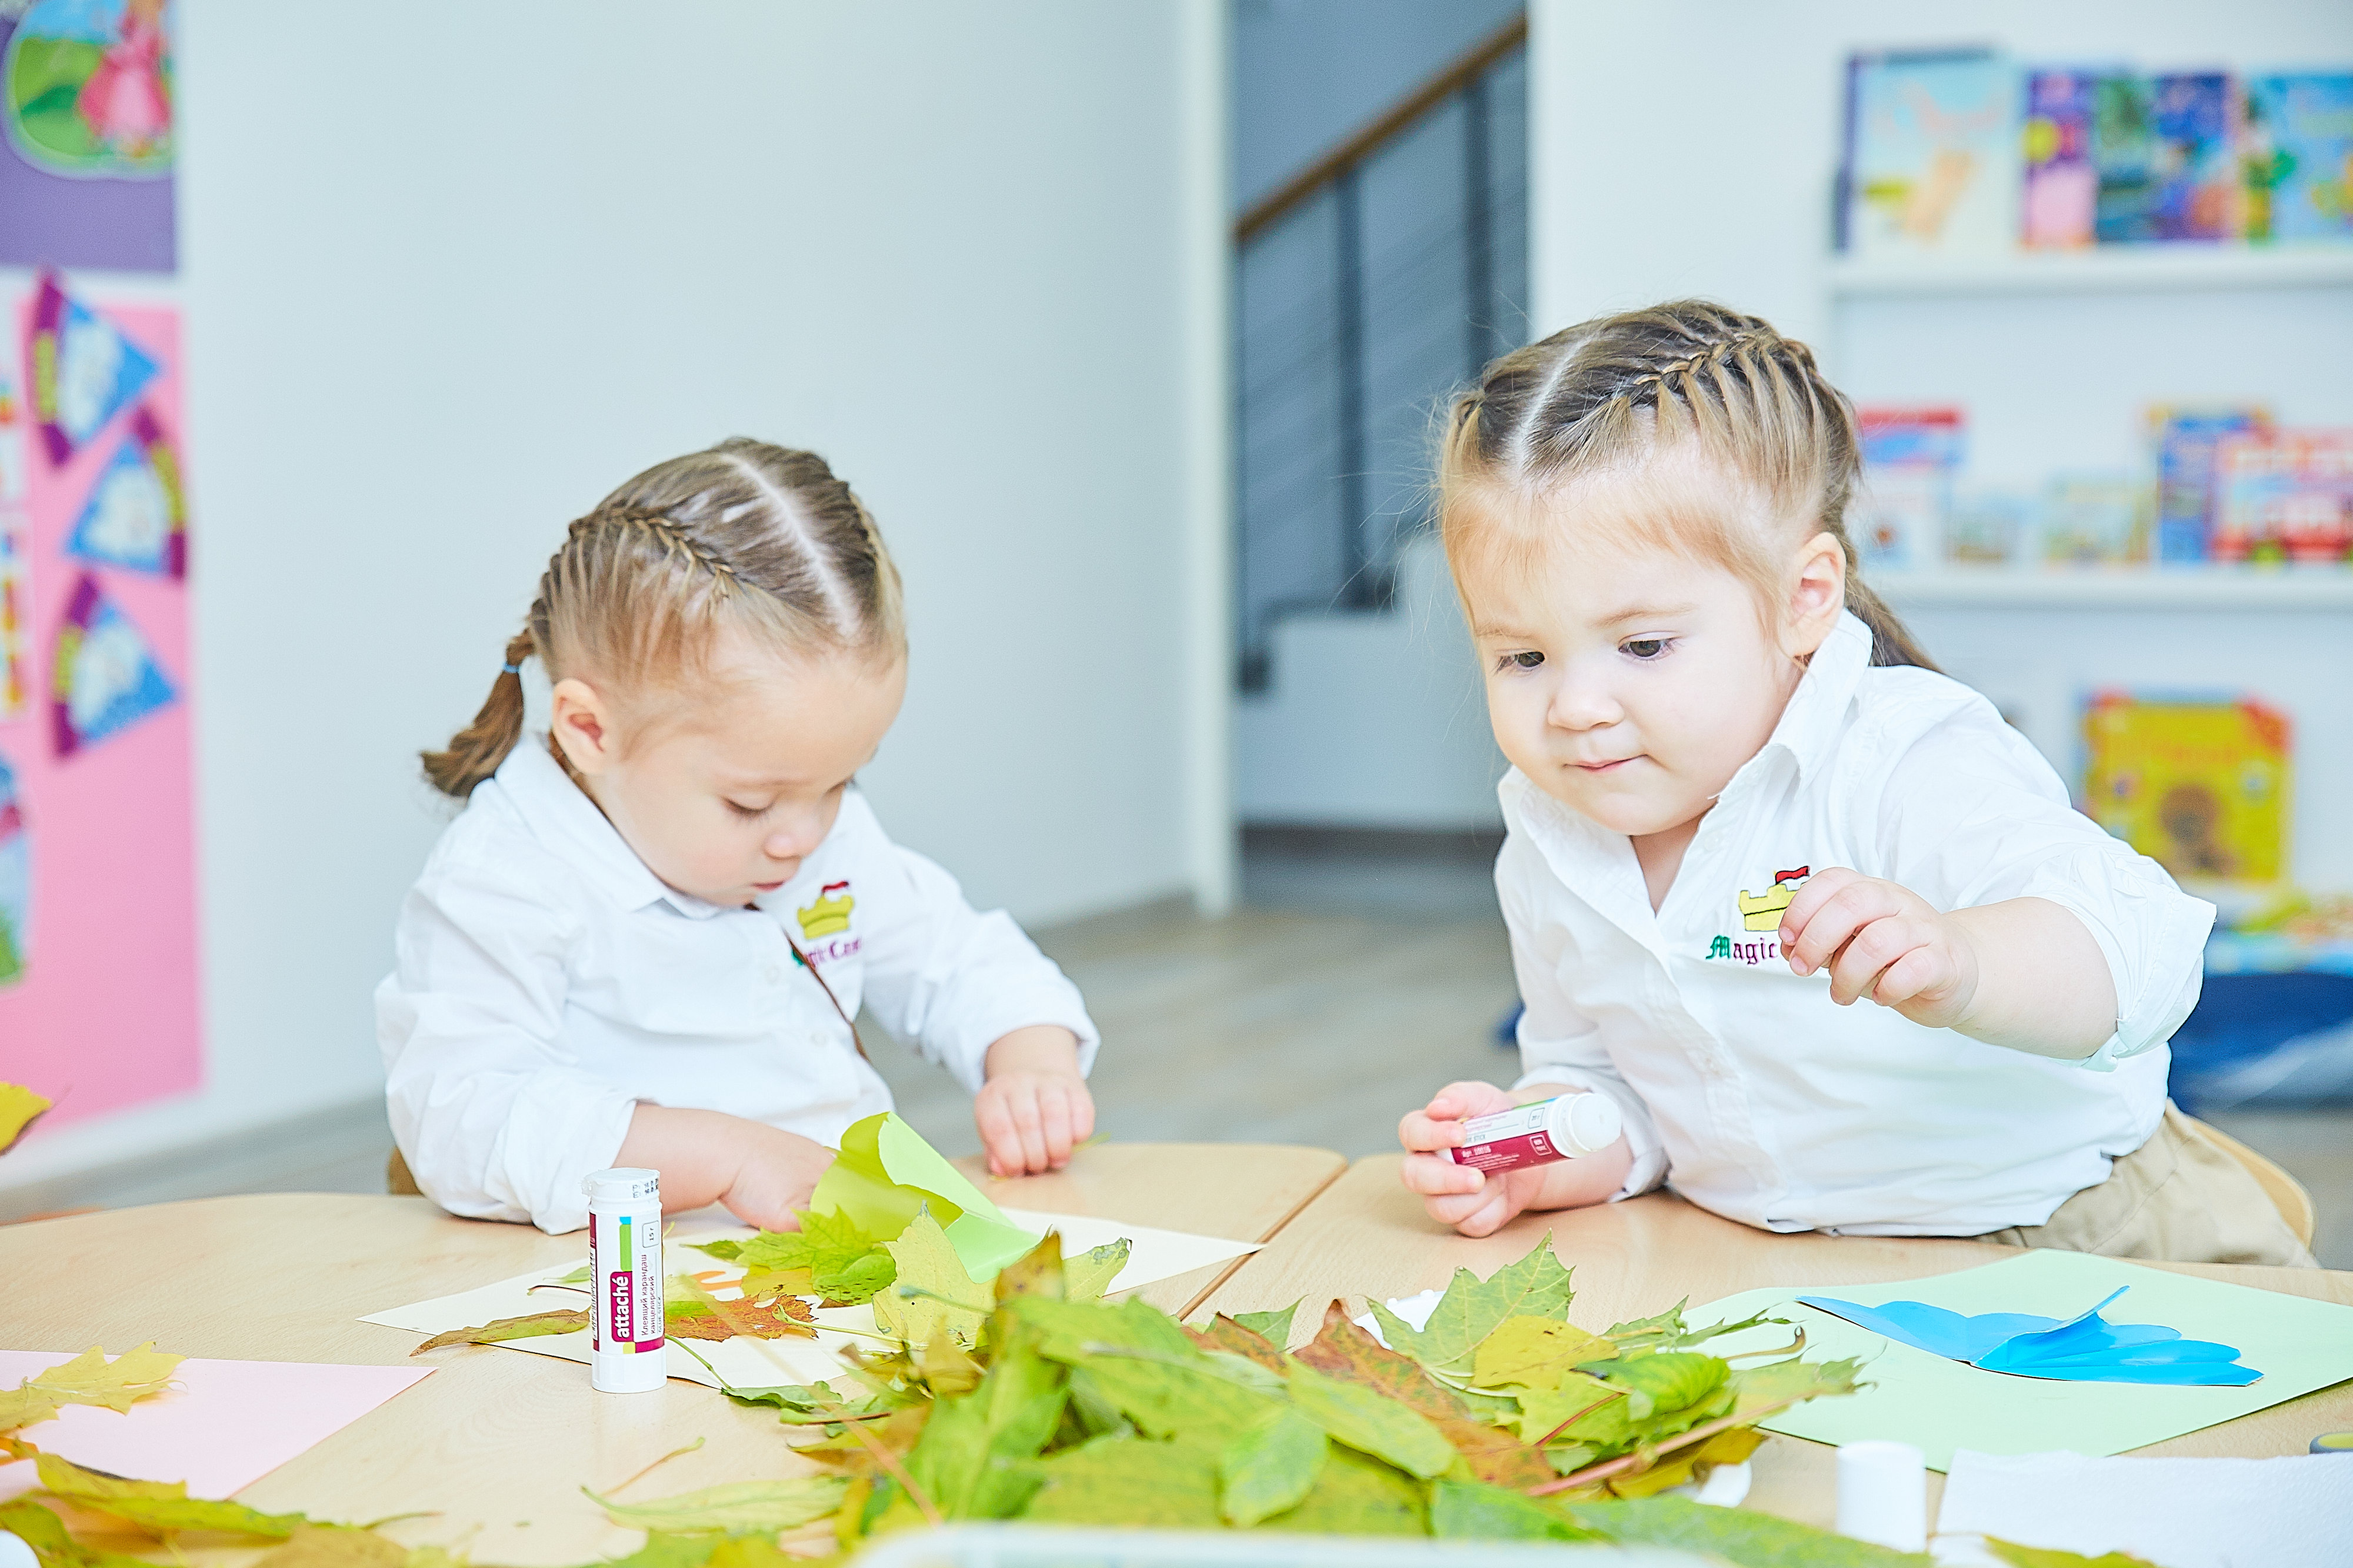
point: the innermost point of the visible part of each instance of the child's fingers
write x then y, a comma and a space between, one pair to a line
1419, 1131
1819, 889
1482, 1214
1432, 1175
1082, 1114
1054, 1125
1832, 925
1856, 968
992, 1112
1918, 971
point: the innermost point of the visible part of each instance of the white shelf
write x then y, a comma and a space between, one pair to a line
2219, 588
2101, 269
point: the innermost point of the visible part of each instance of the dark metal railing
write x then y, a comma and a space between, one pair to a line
1369, 284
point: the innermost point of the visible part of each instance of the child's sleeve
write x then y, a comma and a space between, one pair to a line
1973, 815
944, 976
1558, 1044
496, 1119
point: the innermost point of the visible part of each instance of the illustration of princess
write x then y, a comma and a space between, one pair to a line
124, 102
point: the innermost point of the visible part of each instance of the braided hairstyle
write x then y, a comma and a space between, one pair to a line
745, 533
1637, 398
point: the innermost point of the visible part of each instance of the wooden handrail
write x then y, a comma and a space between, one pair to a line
1373, 137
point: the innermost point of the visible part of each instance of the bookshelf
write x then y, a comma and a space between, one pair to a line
2146, 588
2117, 268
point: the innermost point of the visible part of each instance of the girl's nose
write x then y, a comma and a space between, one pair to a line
792, 842
1581, 705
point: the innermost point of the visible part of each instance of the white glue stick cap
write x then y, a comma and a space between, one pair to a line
1594, 1124
1882, 1495
622, 1184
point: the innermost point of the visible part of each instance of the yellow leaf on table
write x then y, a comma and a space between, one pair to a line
88, 1379
69, 1480
19, 1109
933, 1293
1533, 1352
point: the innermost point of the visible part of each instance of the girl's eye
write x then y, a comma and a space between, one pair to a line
1526, 660
749, 813
1645, 647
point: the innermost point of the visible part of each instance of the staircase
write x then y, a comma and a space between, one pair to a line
1370, 286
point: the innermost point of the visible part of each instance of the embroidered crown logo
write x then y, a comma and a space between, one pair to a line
1762, 912
831, 914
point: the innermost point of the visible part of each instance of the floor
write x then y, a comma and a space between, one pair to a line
1373, 971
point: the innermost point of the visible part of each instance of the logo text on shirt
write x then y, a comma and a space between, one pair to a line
1748, 953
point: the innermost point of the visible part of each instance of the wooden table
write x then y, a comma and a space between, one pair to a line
498, 1442
1367, 1235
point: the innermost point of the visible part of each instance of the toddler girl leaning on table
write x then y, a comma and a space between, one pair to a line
1742, 801
643, 941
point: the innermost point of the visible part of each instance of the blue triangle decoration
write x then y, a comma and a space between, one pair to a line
134, 517
85, 370
107, 677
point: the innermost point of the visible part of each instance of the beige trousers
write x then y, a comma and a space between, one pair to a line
2178, 1198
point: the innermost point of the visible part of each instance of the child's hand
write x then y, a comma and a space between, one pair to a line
780, 1171
1035, 1107
1456, 1194
1882, 942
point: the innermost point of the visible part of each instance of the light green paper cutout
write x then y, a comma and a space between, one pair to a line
887, 1173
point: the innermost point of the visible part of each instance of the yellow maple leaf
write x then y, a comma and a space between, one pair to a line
1533, 1352
88, 1379
19, 1109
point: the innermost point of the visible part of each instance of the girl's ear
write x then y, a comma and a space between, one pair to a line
1817, 596
582, 724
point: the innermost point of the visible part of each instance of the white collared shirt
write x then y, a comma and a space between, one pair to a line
1745, 1088
547, 983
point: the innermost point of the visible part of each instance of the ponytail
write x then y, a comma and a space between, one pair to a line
475, 751
1891, 642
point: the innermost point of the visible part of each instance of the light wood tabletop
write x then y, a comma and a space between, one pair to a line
1367, 1235
496, 1444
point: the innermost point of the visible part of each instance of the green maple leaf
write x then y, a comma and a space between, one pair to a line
1666, 1382
932, 1293
1275, 1327
1533, 1352
1760, 1389
769, 1506
2017, 1556
1357, 1494
845, 1263
1371, 1422
1472, 1308
1086, 1277
1737, 1535
1129, 1482
1271, 1468
1224, 1334
1473, 1511
566, 1321
977, 1457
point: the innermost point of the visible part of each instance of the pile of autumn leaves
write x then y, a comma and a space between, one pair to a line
1496, 1419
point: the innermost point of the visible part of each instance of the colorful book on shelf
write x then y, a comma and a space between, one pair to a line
1985, 528
2095, 519
2198, 784
2199, 183
2124, 158
2299, 157
1909, 454
2284, 495
2061, 187
2183, 441
1931, 163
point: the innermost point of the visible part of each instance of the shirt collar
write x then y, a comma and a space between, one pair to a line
1810, 724
564, 819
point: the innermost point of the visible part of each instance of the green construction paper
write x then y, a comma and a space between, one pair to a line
2299, 1344
886, 1174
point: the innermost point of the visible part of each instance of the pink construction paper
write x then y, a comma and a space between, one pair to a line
223, 1427
105, 1015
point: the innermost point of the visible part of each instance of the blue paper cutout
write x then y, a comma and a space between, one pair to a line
107, 678
2083, 1349
131, 518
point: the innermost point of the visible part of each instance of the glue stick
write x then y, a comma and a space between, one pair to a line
625, 1276
1559, 1129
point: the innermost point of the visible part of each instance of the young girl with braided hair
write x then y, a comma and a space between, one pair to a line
1818, 920
644, 939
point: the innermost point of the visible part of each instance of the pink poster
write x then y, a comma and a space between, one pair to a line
98, 940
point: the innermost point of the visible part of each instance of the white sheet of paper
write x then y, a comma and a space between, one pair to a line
1156, 1255
2184, 1513
220, 1427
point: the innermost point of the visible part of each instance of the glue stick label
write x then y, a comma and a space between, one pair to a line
1557, 1129
624, 1257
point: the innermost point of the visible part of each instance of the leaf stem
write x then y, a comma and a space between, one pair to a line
1613, 1393
888, 1461
658, 1464
1643, 1459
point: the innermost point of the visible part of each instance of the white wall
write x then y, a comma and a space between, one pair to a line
446, 282
1688, 148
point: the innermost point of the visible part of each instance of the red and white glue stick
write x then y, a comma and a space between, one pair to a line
1559, 1129
624, 1275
